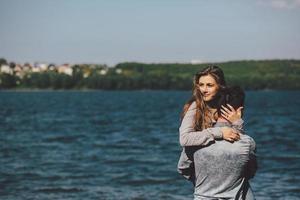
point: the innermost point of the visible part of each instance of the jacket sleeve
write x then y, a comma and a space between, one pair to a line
189, 137
251, 166
185, 165
238, 125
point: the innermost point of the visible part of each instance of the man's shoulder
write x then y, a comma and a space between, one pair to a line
247, 137
250, 140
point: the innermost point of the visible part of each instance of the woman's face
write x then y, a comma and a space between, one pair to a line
208, 87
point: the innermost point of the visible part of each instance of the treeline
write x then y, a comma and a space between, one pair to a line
265, 74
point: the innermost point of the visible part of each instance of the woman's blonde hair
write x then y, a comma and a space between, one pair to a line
202, 118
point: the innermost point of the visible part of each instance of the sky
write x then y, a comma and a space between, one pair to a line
150, 31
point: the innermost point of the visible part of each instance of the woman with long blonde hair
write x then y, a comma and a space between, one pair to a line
200, 112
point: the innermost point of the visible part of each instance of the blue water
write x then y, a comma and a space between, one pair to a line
124, 145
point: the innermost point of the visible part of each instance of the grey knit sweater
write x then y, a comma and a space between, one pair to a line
219, 169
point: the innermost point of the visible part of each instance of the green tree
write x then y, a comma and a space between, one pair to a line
3, 61
7, 81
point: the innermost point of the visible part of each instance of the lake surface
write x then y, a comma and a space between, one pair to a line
124, 144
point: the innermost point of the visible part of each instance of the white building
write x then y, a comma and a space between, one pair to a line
65, 69
6, 69
19, 71
118, 71
36, 69
103, 71
43, 66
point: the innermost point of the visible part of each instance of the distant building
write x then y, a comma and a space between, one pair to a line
19, 71
27, 67
103, 71
36, 69
65, 69
85, 75
118, 71
43, 67
195, 62
86, 71
6, 69
51, 67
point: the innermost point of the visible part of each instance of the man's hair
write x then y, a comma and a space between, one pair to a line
234, 96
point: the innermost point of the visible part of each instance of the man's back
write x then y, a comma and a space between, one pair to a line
220, 168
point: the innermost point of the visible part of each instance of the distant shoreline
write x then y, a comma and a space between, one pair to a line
249, 75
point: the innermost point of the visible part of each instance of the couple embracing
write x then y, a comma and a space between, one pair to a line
217, 156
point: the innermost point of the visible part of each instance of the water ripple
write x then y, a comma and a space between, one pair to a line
124, 145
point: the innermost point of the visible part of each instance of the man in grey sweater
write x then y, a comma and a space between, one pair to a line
218, 169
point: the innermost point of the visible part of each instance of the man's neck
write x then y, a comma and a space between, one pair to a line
221, 119
222, 122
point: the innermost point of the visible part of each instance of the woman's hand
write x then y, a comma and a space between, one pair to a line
231, 114
230, 134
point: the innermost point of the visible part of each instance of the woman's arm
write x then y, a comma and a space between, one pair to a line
189, 137
238, 125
